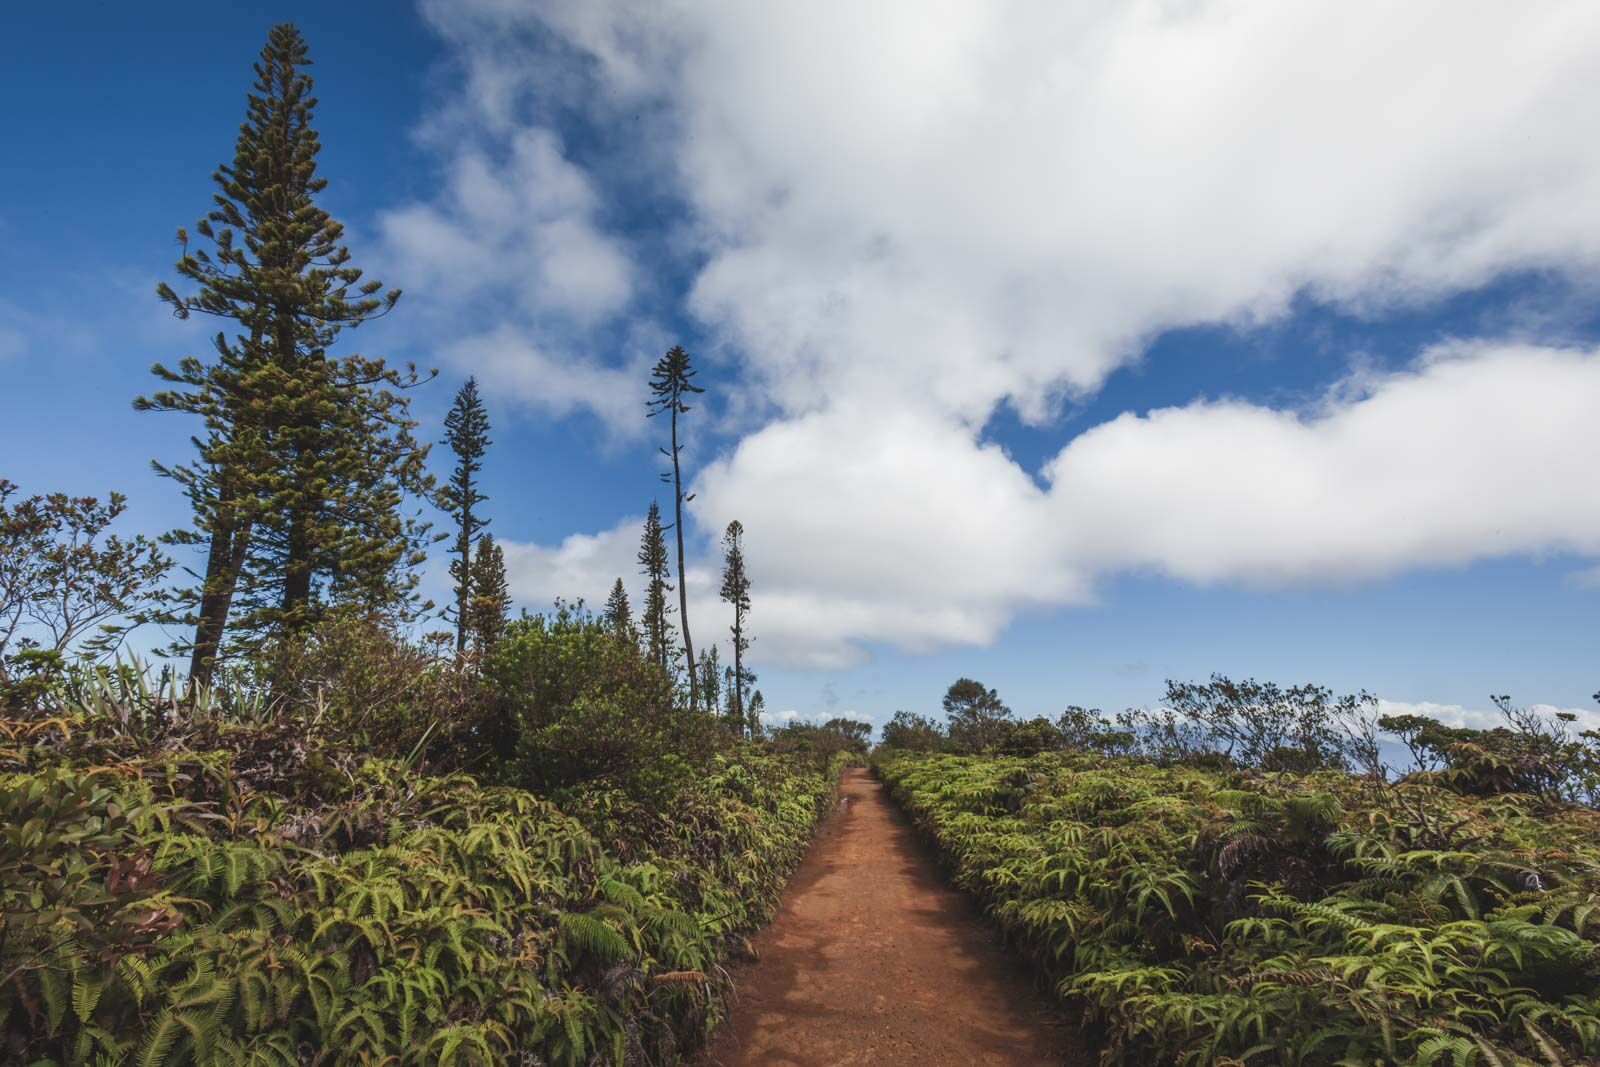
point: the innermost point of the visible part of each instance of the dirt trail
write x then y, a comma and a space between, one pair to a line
874, 960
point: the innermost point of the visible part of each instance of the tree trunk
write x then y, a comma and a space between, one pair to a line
297, 571
683, 579
297, 565
230, 538
738, 672
464, 591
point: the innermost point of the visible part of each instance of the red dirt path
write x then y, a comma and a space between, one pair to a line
873, 959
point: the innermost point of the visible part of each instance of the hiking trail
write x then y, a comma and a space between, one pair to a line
874, 959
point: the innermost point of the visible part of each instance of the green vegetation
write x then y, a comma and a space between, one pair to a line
1197, 910
199, 882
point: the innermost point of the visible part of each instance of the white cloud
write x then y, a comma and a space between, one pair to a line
582, 565
1481, 452
554, 383
784, 718
951, 204
892, 525
520, 227
907, 216
515, 239
586, 565
903, 528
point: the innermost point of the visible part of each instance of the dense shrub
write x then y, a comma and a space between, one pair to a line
162, 907
1529, 754
1028, 737
579, 704
822, 742
1218, 723
370, 686
1088, 730
910, 732
1201, 916
1261, 724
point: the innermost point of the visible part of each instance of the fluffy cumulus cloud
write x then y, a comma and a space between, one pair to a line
587, 565
519, 225
1483, 451
886, 526
903, 216
965, 202
550, 379
514, 237
583, 565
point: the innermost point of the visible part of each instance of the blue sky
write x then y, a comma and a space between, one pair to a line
1070, 350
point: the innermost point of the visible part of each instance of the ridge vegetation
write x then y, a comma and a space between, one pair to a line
1214, 883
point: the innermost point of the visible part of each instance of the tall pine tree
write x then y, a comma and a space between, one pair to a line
736, 591
305, 460
656, 568
758, 704
491, 597
671, 381
619, 613
711, 679
466, 431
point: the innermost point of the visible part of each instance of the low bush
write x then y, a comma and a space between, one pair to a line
359, 680
910, 732
1530, 753
165, 904
1210, 916
581, 706
826, 741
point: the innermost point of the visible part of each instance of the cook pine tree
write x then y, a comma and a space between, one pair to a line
344, 520
466, 431
711, 679
655, 620
758, 704
736, 592
302, 461
671, 383
490, 604
618, 615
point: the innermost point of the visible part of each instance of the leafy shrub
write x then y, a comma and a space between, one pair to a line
910, 732
1200, 916
368, 685
159, 909
824, 742
66, 583
1261, 724
1029, 737
1529, 754
1088, 730
581, 705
